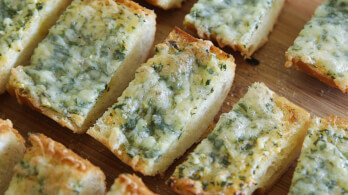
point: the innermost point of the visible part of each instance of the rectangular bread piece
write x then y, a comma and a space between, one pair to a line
23, 24
249, 149
321, 49
323, 166
86, 61
127, 184
169, 104
240, 24
12, 149
48, 167
166, 4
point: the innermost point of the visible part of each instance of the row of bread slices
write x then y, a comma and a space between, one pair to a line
248, 150
320, 49
48, 167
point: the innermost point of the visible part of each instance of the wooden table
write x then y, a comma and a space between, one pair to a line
299, 88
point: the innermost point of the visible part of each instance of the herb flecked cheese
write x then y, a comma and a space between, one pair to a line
323, 165
159, 106
22, 24
240, 24
73, 66
245, 144
323, 43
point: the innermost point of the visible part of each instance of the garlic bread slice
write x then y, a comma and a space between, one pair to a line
12, 149
321, 48
48, 167
23, 24
169, 104
323, 165
86, 61
249, 149
242, 25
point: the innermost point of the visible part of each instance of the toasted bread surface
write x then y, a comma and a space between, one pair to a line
242, 25
127, 184
248, 150
86, 61
12, 149
321, 168
48, 167
23, 24
321, 48
168, 105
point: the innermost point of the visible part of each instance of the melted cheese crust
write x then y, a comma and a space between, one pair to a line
323, 164
231, 21
323, 43
72, 67
242, 147
49, 167
167, 91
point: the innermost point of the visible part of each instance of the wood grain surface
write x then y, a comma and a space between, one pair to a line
307, 92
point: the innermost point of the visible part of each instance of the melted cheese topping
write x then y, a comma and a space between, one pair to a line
233, 21
153, 111
242, 146
323, 164
324, 42
76, 61
15, 18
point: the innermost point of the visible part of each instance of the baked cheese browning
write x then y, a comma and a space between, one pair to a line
321, 49
23, 23
49, 167
246, 149
240, 24
184, 83
73, 67
127, 184
323, 165
12, 149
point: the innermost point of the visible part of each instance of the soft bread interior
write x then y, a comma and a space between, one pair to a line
260, 36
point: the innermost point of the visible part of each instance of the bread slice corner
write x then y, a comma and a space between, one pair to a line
12, 149
129, 184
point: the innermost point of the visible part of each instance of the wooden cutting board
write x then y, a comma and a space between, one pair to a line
299, 88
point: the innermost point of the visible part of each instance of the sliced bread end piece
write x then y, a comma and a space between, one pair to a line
12, 149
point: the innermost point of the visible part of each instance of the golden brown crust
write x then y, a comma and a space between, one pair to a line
315, 72
43, 146
335, 121
138, 8
165, 6
131, 184
220, 42
182, 39
185, 186
7, 126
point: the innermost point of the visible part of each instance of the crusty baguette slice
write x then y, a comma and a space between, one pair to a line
127, 184
321, 49
249, 149
169, 104
242, 25
12, 149
323, 166
23, 24
48, 167
86, 61
166, 4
